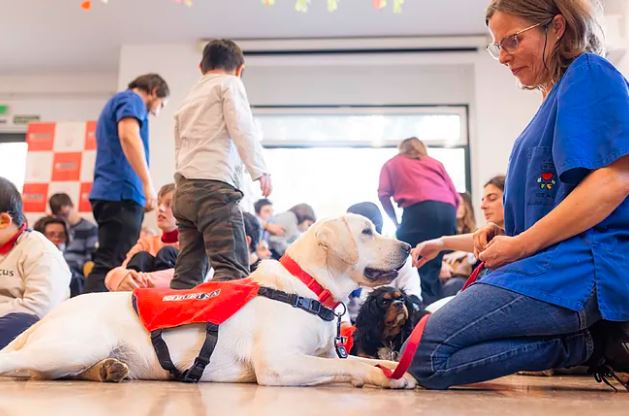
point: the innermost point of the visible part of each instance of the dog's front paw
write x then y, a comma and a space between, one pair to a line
405, 382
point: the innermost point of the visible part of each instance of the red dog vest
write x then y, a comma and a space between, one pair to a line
213, 302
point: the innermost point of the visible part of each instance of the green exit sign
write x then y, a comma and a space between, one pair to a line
4, 109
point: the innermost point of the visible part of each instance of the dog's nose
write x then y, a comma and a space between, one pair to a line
406, 249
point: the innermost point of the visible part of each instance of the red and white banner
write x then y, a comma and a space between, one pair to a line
60, 158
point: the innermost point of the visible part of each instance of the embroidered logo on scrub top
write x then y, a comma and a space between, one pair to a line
546, 181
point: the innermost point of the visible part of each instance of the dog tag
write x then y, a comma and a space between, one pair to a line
340, 348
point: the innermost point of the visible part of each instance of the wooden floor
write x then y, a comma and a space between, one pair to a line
515, 395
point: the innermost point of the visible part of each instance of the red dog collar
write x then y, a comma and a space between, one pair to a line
8, 246
324, 295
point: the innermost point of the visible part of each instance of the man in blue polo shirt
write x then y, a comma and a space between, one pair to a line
123, 189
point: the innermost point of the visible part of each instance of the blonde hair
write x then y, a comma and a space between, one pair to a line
583, 33
413, 148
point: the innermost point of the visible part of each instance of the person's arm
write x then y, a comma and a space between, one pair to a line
46, 284
387, 205
243, 131
385, 191
593, 200
428, 250
133, 149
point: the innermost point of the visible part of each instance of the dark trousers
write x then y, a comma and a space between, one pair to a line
145, 262
425, 221
210, 227
14, 324
119, 224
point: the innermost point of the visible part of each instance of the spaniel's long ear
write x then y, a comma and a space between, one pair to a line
335, 236
369, 327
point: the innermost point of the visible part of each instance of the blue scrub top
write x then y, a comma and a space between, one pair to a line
114, 178
583, 125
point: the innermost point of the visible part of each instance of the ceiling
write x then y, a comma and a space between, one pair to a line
58, 36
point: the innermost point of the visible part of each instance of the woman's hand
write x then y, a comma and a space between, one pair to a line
484, 235
502, 250
426, 251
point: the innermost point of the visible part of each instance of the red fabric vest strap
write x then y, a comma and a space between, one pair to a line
324, 295
416, 336
347, 333
8, 246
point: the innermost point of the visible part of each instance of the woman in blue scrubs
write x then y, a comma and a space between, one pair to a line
558, 268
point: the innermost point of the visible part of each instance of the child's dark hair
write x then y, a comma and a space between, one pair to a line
261, 203
252, 229
58, 201
11, 201
150, 83
221, 54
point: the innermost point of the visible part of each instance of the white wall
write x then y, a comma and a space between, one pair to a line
64, 97
499, 110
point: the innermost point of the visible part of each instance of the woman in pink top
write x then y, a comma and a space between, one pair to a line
151, 261
421, 186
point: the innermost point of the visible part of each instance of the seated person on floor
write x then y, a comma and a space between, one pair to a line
56, 231
258, 249
83, 238
294, 222
264, 212
34, 277
151, 262
408, 278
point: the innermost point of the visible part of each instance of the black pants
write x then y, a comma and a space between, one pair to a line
210, 227
425, 221
119, 224
145, 262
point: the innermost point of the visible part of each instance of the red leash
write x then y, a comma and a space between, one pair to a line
416, 336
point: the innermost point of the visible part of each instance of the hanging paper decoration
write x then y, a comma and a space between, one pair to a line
87, 4
333, 5
379, 4
397, 6
302, 6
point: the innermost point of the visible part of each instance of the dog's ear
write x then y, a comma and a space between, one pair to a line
336, 237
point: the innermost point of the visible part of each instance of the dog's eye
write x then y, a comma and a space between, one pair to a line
367, 231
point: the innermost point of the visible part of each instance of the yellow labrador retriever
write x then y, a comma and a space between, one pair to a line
99, 336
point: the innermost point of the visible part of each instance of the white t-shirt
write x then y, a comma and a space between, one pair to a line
34, 277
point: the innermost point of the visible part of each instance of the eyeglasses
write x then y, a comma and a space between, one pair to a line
509, 43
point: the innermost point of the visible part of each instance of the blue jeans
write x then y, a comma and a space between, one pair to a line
487, 332
14, 324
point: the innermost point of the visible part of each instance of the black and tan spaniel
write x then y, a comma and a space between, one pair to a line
384, 322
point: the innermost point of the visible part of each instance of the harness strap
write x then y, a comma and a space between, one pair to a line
195, 372
161, 349
309, 305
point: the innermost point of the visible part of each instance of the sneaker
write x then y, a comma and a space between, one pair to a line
611, 352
